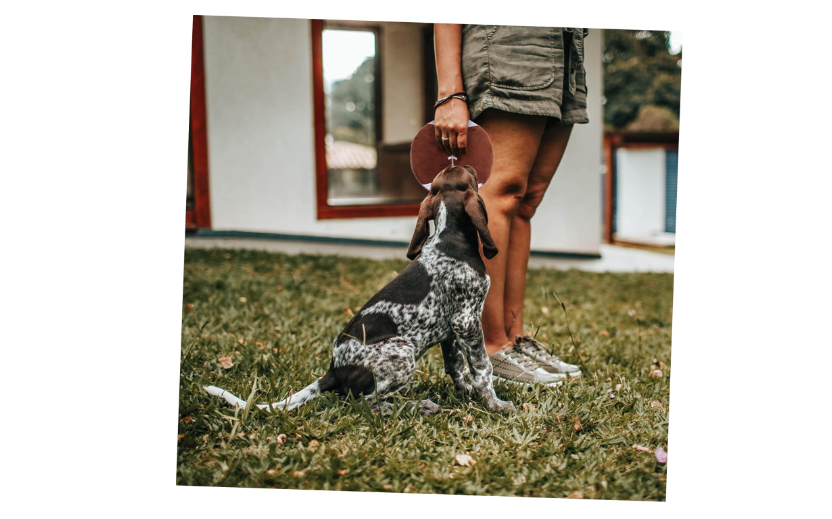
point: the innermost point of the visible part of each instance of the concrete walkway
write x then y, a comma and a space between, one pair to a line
613, 259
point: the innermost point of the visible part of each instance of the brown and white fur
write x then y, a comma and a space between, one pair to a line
438, 298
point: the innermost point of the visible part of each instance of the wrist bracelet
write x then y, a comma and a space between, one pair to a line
457, 95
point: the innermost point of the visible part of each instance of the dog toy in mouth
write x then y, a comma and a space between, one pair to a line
427, 158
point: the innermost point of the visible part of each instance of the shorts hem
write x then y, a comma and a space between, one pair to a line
481, 105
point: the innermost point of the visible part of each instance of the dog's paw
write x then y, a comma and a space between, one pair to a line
501, 406
428, 408
464, 387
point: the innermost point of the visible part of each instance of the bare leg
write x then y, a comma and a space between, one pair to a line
516, 139
549, 155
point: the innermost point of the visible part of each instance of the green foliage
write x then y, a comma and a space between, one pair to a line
352, 106
278, 337
640, 72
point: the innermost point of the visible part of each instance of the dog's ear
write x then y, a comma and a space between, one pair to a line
475, 208
473, 172
422, 231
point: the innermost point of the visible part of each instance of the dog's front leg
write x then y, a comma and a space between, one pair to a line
468, 331
454, 359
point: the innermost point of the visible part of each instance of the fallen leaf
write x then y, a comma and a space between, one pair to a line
518, 480
299, 473
313, 444
661, 456
271, 472
259, 345
187, 419
545, 310
277, 328
631, 313
189, 306
243, 300
529, 407
468, 419
577, 424
225, 362
656, 373
241, 341
603, 333
575, 495
387, 486
618, 387
280, 287
349, 312
227, 255
656, 403
281, 439
465, 460
642, 448
180, 437
342, 472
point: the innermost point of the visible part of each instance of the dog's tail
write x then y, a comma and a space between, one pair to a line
292, 401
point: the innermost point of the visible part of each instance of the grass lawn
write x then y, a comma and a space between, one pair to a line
275, 317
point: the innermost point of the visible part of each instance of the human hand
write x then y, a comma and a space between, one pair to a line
451, 126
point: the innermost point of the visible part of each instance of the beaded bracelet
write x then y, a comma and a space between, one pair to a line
457, 95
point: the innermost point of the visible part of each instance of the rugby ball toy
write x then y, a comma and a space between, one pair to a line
427, 158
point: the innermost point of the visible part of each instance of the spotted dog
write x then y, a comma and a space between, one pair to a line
438, 298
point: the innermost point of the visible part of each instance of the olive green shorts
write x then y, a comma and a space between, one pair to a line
525, 70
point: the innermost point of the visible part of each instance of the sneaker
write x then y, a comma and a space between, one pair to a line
513, 365
546, 360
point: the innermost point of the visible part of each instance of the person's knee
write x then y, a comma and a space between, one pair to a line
506, 196
528, 205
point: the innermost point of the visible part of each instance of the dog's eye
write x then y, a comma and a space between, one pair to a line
462, 187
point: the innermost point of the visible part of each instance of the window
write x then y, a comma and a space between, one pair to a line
363, 164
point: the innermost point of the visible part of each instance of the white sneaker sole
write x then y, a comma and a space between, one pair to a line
556, 383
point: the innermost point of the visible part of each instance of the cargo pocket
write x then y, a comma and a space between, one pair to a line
521, 58
574, 57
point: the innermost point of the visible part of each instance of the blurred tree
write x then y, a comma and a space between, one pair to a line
642, 81
352, 106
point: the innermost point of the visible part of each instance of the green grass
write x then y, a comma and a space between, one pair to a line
275, 316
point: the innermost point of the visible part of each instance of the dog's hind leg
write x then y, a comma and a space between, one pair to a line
392, 363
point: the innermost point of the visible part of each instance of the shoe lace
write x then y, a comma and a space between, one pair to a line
538, 351
520, 357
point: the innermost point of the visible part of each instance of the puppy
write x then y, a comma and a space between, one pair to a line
438, 298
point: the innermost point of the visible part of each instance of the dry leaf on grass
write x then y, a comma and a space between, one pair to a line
661, 456
656, 404
465, 460
225, 362
313, 444
243, 299
467, 419
577, 424
576, 495
281, 439
299, 473
657, 373
545, 310
642, 448
603, 333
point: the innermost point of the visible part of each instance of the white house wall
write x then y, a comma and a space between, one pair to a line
640, 196
261, 158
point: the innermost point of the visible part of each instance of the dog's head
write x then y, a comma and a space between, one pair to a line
456, 186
